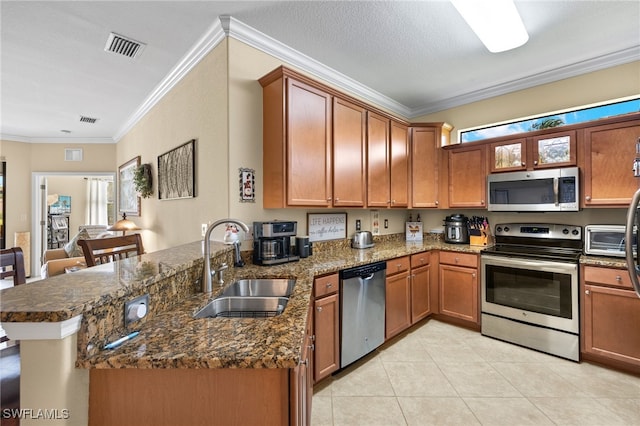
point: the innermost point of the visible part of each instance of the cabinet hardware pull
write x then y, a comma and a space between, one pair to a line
304, 362
329, 285
535, 163
319, 308
523, 164
618, 278
588, 198
481, 201
436, 202
473, 275
313, 337
587, 292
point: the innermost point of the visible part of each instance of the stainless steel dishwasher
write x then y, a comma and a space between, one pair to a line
362, 307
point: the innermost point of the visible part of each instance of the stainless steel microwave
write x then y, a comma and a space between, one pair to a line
605, 240
551, 190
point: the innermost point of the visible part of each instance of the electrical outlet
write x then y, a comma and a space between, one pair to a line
358, 225
136, 309
386, 224
204, 228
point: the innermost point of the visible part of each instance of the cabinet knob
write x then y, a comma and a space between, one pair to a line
391, 201
618, 278
588, 198
436, 202
304, 362
319, 308
535, 163
329, 199
523, 164
587, 292
337, 199
329, 285
473, 275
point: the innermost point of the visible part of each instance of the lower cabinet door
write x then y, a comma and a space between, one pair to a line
420, 293
327, 336
612, 323
397, 304
459, 292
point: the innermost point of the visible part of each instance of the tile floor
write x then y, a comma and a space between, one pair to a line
440, 374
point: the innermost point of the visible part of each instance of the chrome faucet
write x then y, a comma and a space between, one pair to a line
207, 285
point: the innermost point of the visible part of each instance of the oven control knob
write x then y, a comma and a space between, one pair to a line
575, 232
565, 231
506, 229
499, 229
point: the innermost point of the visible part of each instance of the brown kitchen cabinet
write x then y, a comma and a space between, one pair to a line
326, 326
458, 290
609, 151
387, 162
398, 297
610, 318
426, 140
421, 286
467, 174
302, 380
551, 150
349, 154
296, 142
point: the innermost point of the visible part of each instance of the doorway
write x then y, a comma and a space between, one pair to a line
67, 195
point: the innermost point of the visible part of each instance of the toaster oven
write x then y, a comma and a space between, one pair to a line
605, 240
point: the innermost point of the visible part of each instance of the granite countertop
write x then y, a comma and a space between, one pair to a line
174, 339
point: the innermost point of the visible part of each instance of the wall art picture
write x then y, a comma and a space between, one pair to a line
176, 172
247, 185
128, 199
326, 226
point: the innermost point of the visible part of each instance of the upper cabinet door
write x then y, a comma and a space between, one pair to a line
508, 156
308, 145
399, 178
554, 150
609, 151
468, 177
349, 137
378, 193
424, 167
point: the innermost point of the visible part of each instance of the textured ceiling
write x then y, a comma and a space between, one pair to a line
418, 54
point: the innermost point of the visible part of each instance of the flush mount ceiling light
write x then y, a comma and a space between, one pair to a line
496, 22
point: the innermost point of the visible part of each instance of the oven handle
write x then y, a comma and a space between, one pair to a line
556, 197
541, 265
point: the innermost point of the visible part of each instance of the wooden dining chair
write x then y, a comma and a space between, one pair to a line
14, 259
105, 250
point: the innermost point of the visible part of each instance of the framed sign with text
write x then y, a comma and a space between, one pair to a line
327, 226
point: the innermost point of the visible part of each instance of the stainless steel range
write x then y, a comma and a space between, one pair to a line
530, 287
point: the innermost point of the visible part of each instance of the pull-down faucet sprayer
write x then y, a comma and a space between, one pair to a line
207, 285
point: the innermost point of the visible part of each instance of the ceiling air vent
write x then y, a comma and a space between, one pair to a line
124, 46
90, 120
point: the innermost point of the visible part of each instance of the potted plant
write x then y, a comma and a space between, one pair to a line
143, 180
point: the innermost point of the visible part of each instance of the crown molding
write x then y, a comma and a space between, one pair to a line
209, 40
252, 37
227, 26
573, 70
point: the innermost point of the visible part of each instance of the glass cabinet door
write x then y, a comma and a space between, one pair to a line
508, 156
554, 150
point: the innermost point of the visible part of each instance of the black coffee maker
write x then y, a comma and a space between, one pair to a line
272, 242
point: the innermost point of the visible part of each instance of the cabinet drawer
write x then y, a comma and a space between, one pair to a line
420, 259
325, 285
607, 276
400, 264
459, 259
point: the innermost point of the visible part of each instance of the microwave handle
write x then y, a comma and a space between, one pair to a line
556, 197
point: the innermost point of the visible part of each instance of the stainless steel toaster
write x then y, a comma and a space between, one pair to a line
362, 240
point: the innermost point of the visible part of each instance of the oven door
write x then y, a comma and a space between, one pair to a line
540, 292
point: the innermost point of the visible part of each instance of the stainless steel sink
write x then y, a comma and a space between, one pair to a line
261, 287
243, 307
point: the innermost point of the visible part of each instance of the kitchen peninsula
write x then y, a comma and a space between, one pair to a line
64, 321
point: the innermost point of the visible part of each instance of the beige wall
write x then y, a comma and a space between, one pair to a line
197, 108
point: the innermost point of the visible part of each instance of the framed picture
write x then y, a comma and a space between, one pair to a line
247, 185
62, 206
128, 199
327, 226
176, 172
